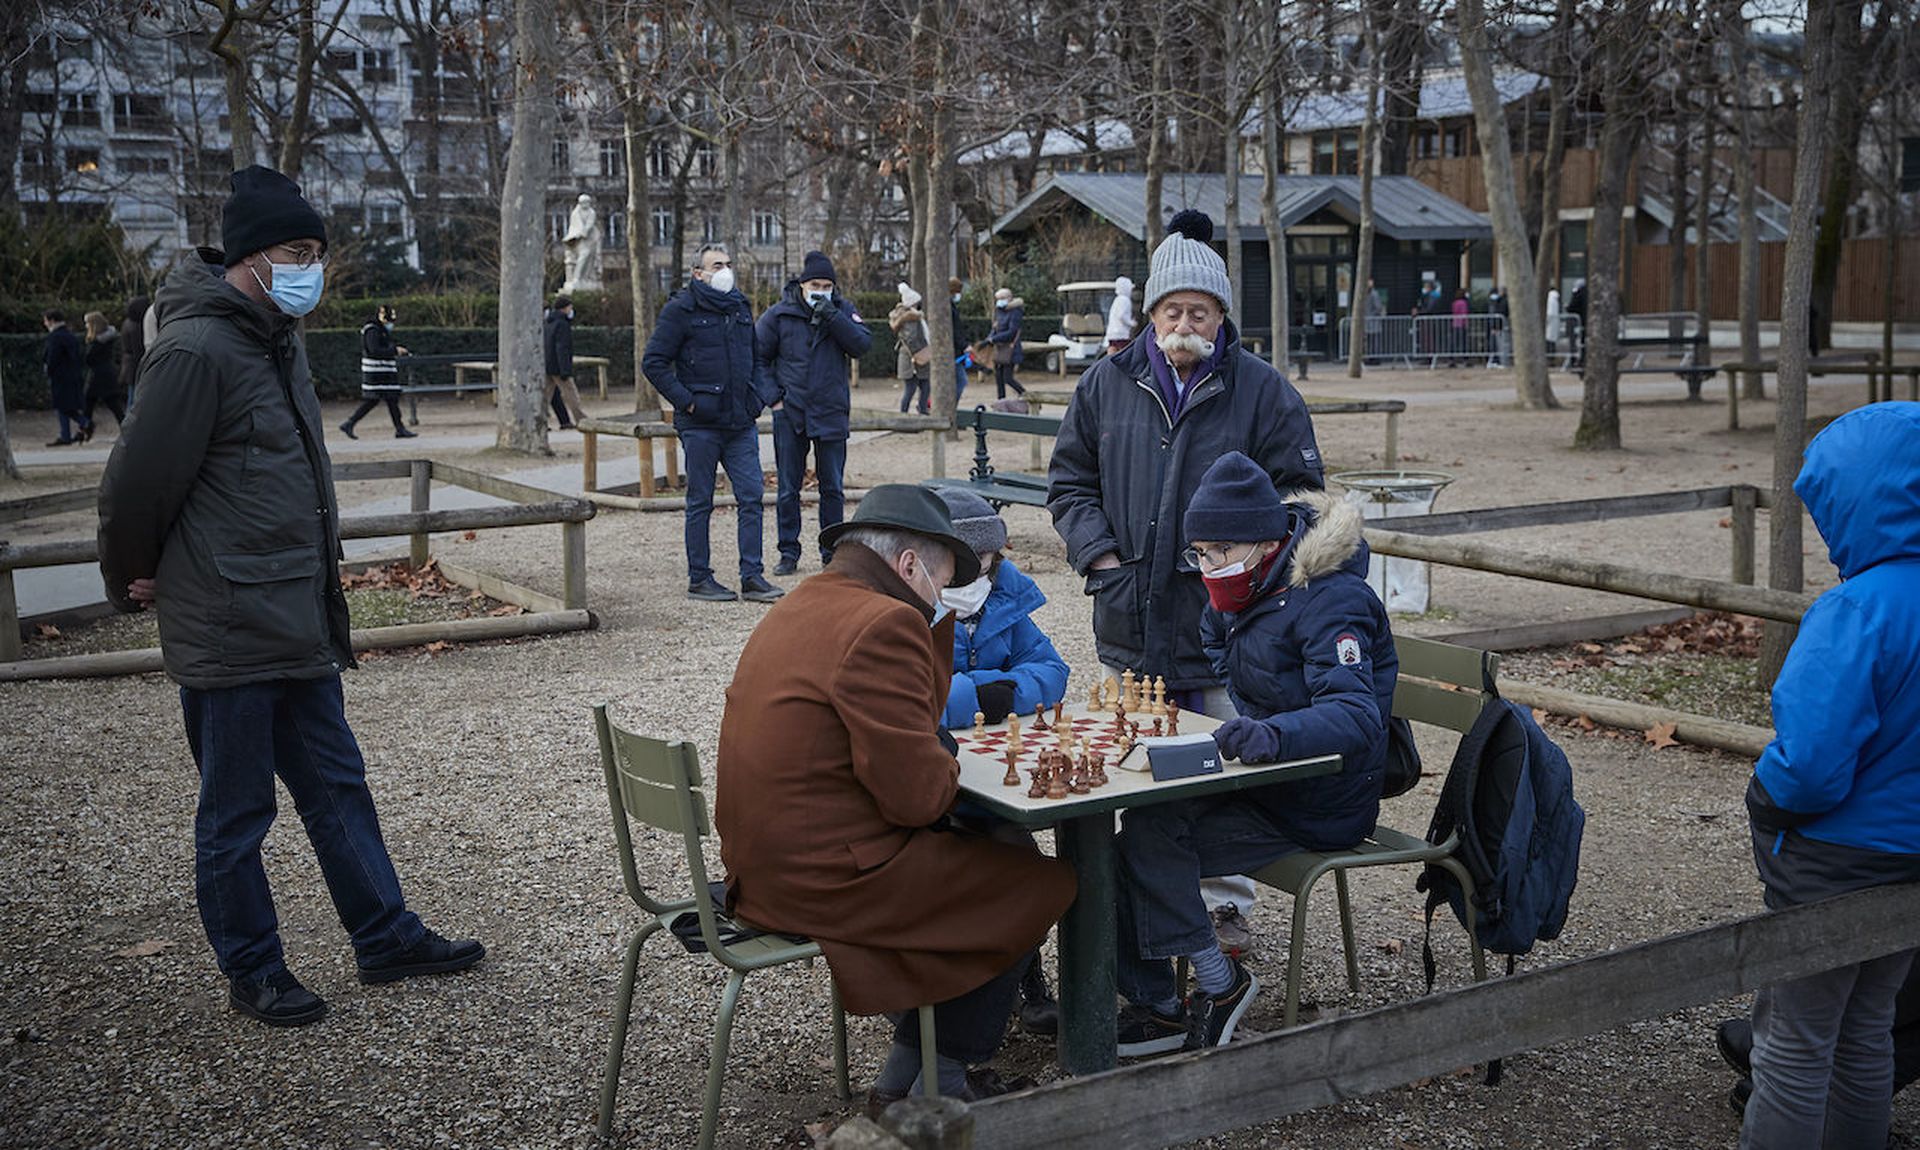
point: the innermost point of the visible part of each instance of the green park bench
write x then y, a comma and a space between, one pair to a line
1001, 488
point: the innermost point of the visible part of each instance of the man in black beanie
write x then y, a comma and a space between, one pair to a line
217, 510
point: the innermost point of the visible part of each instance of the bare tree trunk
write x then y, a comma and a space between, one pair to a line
1546, 258
1361, 296
8, 467
1682, 218
1737, 32
942, 392
920, 201
1599, 428
1509, 228
1786, 567
1273, 153
1230, 105
229, 44
1846, 114
1157, 139
292, 145
639, 240
1703, 239
521, 371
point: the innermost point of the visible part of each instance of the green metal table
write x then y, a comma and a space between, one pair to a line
1084, 836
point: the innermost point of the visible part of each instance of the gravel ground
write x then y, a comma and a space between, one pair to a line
482, 761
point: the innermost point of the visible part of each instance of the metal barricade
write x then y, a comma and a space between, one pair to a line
1477, 337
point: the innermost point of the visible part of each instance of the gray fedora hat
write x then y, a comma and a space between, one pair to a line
908, 507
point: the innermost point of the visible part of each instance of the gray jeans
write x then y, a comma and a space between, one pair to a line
1823, 1059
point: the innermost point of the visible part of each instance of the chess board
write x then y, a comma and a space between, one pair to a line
1090, 734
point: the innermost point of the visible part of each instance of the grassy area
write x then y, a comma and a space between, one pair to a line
1723, 686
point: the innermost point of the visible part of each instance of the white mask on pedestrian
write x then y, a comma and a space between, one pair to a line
966, 601
722, 280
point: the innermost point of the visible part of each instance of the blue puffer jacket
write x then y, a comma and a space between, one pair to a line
701, 359
807, 361
1005, 645
1844, 765
1315, 663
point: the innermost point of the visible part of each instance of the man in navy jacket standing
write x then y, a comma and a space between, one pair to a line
803, 343
701, 360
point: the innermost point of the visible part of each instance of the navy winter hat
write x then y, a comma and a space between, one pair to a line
974, 519
817, 267
265, 209
1236, 502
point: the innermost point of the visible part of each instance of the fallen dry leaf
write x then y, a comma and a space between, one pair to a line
508, 609
1661, 736
1584, 723
47, 631
469, 536
438, 645
1392, 946
1539, 717
146, 948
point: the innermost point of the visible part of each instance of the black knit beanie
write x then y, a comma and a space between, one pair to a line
817, 267
265, 209
1236, 502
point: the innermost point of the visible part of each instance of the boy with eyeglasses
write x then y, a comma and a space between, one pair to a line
1303, 646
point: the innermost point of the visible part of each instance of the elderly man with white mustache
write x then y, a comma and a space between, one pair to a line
1144, 425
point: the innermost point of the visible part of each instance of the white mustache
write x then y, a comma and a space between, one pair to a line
1188, 342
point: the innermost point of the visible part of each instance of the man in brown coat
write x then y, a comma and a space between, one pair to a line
833, 789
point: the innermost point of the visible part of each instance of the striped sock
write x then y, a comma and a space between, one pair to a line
1213, 970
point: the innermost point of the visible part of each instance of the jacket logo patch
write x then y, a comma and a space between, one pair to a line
1347, 649
1310, 455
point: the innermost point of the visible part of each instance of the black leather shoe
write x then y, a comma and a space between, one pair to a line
1734, 1037
347, 429
786, 567
431, 955
1039, 1010
711, 590
1738, 1096
403, 433
277, 999
756, 589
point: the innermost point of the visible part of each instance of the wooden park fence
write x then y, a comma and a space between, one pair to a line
1184, 1097
546, 613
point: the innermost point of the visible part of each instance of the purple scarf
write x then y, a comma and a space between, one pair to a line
1170, 391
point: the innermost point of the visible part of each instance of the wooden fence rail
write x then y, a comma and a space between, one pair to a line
1189, 1096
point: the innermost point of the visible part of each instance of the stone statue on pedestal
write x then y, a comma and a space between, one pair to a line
582, 243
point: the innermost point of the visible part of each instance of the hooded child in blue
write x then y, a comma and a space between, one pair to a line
1835, 797
1002, 662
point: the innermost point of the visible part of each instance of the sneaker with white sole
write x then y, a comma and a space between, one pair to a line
1211, 1018
1145, 1031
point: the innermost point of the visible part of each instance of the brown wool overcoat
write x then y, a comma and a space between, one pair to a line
830, 774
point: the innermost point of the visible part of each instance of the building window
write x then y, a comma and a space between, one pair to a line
617, 229
659, 160
36, 163
663, 226
613, 159
562, 155
39, 104
1456, 142
80, 110
386, 221
703, 160
376, 65
76, 48
145, 165
137, 112
1336, 153
1910, 164
710, 231
85, 161
556, 226
344, 125
766, 229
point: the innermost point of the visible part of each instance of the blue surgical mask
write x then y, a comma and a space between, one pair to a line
819, 297
296, 290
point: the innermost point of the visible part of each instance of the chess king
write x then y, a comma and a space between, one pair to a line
831, 775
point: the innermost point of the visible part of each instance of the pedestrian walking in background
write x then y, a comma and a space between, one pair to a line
1120, 316
559, 352
1005, 338
133, 345
962, 358
913, 353
103, 371
802, 346
66, 379
379, 373
217, 510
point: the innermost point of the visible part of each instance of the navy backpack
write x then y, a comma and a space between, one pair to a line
1509, 794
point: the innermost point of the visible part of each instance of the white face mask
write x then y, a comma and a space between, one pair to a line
1227, 572
819, 297
721, 281
967, 601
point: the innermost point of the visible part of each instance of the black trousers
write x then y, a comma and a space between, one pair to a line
1003, 379
369, 402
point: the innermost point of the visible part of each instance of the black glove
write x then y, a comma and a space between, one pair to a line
947, 741
1768, 818
996, 699
1249, 740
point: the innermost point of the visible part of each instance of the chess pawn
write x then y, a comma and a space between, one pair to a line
1057, 787
1097, 763
1059, 712
1126, 689
1039, 716
1173, 717
1093, 695
1156, 728
1039, 788
979, 724
1012, 778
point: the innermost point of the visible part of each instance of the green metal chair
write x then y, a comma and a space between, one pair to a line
1441, 684
657, 783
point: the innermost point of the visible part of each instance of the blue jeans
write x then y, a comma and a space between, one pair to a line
297, 729
1823, 1058
709, 449
1165, 850
790, 461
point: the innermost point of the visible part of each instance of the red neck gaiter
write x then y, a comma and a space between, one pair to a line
1232, 594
